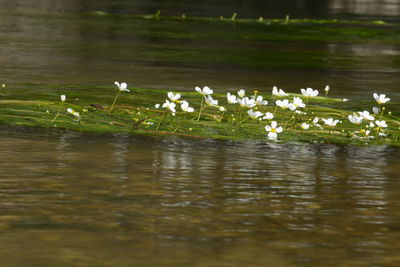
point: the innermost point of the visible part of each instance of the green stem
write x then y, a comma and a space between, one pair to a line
162, 119
240, 116
233, 115
179, 126
276, 107
295, 118
58, 113
81, 118
115, 100
288, 122
380, 116
244, 119
201, 109
222, 115
378, 130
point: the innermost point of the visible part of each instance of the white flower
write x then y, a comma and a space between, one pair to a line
366, 116
260, 102
173, 97
283, 104
3, 85
376, 110
277, 92
292, 107
222, 109
210, 101
122, 87
73, 113
381, 124
185, 107
254, 114
364, 134
327, 88
231, 98
355, 119
63, 98
157, 106
268, 116
330, 122
205, 91
273, 130
309, 92
169, 105
305, 126
297, 103
381, 99
241, 93
345, 99
247, 102
371, 125
315, 122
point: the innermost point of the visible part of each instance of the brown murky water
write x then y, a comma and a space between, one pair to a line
68, 199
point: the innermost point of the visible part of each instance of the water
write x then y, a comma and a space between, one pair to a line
70, 199
87, 200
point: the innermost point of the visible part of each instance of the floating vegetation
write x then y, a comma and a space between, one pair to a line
276, 115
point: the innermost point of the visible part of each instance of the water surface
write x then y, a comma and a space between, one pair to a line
87, 200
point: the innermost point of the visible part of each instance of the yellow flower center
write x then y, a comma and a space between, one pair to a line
273, 130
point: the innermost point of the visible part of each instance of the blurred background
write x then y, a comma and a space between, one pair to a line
360, 9
57, 42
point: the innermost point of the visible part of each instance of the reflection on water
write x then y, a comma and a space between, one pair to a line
365, 8
122, 200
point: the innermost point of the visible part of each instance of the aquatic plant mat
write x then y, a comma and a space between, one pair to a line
135, 112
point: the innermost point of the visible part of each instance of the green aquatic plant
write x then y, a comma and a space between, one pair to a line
123, 87
205, 92
327, 88
62, 98
74, 113
224, 115
234, 15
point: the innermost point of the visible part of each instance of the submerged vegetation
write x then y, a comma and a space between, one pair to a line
203, 113
234, 18
313, 30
